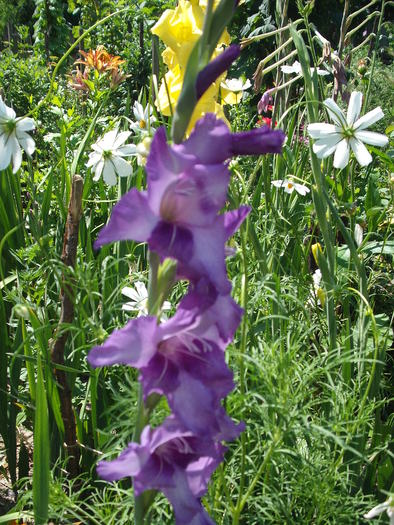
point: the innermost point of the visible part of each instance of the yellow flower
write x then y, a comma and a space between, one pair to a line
180, 28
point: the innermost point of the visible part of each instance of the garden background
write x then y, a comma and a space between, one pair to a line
312, 269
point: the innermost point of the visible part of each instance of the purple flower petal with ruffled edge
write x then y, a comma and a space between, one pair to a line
172, 460
258, 141
212, 142
131, 219
133, 345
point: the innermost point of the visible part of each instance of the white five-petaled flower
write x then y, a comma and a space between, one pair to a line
347, 132
289, 186
144, 119
296, 68
107, 156
13, 137
139, 299
387, 506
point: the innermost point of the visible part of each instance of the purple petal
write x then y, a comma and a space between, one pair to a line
257, 141
196, 195
163, 166
170, 240
134, 345
209, 142
129, 463
234, 218
265, 101
207, 256
215, 68
131, 219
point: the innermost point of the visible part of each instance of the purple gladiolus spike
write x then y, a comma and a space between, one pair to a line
172, 460
215, 68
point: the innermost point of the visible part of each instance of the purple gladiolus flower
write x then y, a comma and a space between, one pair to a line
265, 101
178, 215
170, 459
215, 68
183, 359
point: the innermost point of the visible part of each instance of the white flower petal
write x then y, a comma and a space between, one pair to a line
355, 103
26, 142
362, 154
301, 189
141, 289
376, 510
6, 113
125, 151
370, 137
122, 167
319, 130
109, 175
16, 156
98, 169
335, 112
131, 293
278, 183
325, 147
25, 124
94, 158
107, 142
5, 153
369, 118
121, 138
287, 69
341, 157
322, 72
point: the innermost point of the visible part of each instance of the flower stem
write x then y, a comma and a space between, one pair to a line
142, 502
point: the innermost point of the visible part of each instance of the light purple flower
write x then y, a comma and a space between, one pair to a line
265, 101
170, 459
178, 215
183, 359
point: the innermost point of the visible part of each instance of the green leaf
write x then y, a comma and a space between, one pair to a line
41, 472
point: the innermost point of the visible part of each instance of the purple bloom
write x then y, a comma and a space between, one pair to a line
212, 142
178, 215
183, 359
172, 460
215, 68
265, 101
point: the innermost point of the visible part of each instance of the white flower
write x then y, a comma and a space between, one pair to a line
317, 294
387, 506
13, 137
142, 151
233, 88
296, 68
347, 132
139, 299
289, 186
107, 156
144, 119
236, 84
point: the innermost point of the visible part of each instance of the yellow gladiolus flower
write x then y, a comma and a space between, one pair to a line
180, 28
